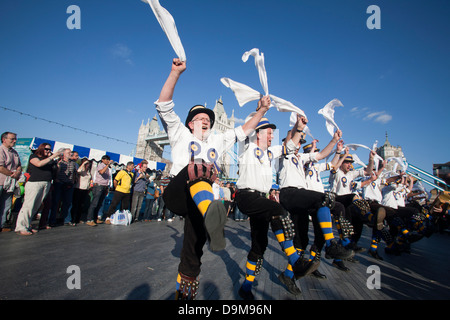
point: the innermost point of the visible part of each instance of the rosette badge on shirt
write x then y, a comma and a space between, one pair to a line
194, 149
259, 154
212, 157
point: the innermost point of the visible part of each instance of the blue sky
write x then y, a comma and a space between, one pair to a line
105, 76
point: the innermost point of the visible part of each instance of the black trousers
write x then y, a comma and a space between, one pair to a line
118, 197
260, 211
178, 200
302, 203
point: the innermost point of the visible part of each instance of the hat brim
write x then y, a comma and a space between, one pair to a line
193, 113
269, 125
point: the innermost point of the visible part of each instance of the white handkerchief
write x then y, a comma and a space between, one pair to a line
358, 161
243, 93
292, 121
328, 114
167, 23
398, 161
285, 106
259, 63
355, 146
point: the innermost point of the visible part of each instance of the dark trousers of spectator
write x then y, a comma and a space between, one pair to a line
119, 197
136, 204
62, 192
99, 194
78, 204
148, 211
46, 209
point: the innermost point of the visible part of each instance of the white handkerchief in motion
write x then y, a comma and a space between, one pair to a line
259, 63
328, 114
243, 93
167, 23
293, 120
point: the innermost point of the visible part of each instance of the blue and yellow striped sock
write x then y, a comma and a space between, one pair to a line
287, 246
202, 194
324, 217
375, 240
178, 282
250, 268
289, 272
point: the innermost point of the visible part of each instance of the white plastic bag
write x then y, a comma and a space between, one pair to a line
121, 218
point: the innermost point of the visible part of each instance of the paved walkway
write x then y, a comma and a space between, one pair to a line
139, 262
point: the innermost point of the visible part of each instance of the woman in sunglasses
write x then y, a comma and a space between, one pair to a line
40, 168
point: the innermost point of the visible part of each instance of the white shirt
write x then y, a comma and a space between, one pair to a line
402, 191
184, 144
216, 191
341, 183
372, 191
292, 173
390, 196
255, 166
313, 180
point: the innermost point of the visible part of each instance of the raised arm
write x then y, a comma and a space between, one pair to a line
40, 163
341, 159
178, 67
339, 147
369, 169
326, 151
299, 125
263, 106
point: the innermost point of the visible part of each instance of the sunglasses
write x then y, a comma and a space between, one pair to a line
47, 149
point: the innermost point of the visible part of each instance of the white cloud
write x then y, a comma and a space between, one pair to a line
121, 51
239, 121
380, 116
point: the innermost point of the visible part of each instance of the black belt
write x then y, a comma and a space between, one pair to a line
262, 194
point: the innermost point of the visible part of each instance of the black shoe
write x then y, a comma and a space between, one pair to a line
303, 267
392, 250
374, 254
337, 251
318, 275
355, 248
340, 265
352, 260
246, 295
215, 219
290, 284
413, 236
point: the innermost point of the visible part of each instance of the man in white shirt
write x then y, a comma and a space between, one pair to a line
301, 202
10, 171
342, 182
255, 181
195, 152
216, 189
400, 219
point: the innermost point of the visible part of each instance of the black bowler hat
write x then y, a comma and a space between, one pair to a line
200, 109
